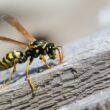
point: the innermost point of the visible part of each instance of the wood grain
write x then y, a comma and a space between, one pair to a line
59, 86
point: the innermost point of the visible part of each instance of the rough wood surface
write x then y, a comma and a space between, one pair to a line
60, 85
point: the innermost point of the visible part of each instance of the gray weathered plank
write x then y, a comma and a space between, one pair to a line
61, 86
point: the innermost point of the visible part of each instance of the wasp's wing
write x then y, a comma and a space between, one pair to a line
15, 23
5, 39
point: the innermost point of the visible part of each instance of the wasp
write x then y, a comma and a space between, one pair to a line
34, 49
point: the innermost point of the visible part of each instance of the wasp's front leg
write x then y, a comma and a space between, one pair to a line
60, 53
42, 57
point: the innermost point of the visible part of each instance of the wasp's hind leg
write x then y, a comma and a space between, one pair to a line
10, 78
28, 77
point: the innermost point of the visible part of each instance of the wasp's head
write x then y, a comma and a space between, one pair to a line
51, 50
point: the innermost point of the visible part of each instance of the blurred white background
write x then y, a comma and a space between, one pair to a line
62, 20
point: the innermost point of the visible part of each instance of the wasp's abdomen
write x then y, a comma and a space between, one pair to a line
8, 60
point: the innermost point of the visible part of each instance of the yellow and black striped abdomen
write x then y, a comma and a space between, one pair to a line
5, 63
8, 60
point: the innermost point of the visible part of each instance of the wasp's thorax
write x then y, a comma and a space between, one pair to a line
41, 48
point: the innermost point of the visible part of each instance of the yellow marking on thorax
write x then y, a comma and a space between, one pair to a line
44, 45
37, 51
47, 49
10, 55
31, 43
35, 46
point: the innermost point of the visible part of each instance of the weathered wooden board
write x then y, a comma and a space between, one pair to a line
60, 86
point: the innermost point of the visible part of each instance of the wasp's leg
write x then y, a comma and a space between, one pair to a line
28, 77
60, 53
44, 60
10, 78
